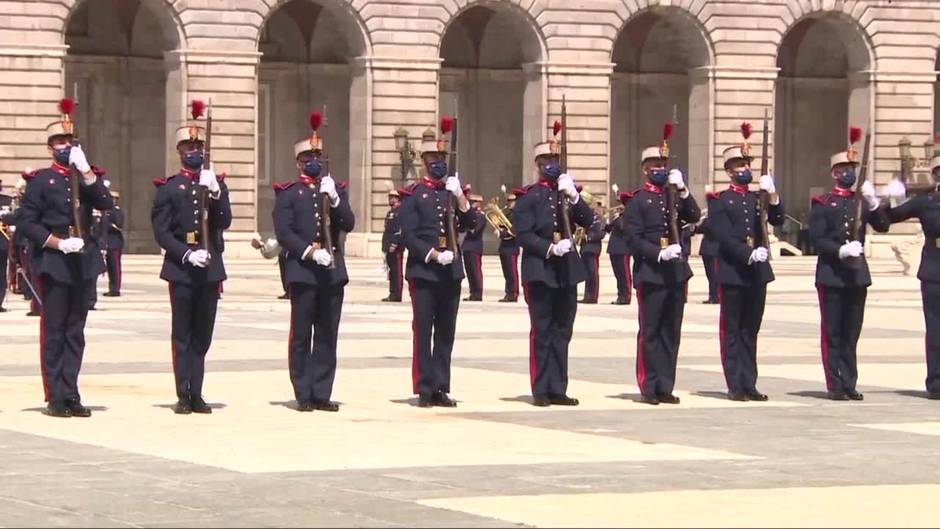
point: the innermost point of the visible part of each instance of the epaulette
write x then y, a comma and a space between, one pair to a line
281, 186
160, 181
221, 177
520, 191
820, 199
29, 175
99, 171
408, 190
711, 195
624, 196
342, 185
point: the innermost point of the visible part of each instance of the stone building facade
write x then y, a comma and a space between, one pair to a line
503, 66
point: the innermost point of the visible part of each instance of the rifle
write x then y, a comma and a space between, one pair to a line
564, 206
764, 196
672, 194
202, 192
325, 204
857, 225
78, 225
450, 224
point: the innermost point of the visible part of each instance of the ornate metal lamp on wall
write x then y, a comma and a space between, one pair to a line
406, 154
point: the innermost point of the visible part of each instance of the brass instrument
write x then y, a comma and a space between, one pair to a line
5, 229
580, 235
269, 247
614, 213
496, 217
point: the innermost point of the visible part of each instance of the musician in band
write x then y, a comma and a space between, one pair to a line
112, 241
393, 248
591, 254
472, 248
509, 254
7, 230
619, 252
708, 249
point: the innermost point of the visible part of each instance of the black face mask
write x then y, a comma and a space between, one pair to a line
437, 169
193, 159
744, 177
846, 178
61, 156
313, 168
658, 177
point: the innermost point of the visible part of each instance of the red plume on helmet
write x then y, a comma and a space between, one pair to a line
668, 129
556, 128
746, 130
67, 106
316, 121
855, 134
447, 124
197, 109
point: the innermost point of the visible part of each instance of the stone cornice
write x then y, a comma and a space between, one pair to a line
33, 50
214, 56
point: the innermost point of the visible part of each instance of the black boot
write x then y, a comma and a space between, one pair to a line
76, 409
183, 406
57, 409
199, 406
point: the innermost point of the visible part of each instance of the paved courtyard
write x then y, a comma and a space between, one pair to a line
797, 460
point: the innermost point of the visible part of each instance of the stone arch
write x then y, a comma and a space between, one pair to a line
824, 85
351, 24
662, 60
171, 28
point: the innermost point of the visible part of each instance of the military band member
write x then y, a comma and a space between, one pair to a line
67, 260
6, 241
926, 208
433, 271
842, 276
393, 248
591, 255
619, 252
112, 241
708, 251
743, 269
316, 273
660, 272
473, 250
193, 273
509, 255
21, 253
551, 271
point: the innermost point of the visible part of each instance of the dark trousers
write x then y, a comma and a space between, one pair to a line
281, 266
842, 311
434, 306
62, 336
314, 329
396, 281
91, 294
660, 327
4, 257
551, 316
624, 276
742, 310
510, 265
930, 292
113, 259
711, 272
193, 308
27, 268
473, 266
592, 285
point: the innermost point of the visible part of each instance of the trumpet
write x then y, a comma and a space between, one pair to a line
579, 235
6, 230
496, 217
269, 247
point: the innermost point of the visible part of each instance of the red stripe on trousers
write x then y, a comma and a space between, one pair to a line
172, 341
640, 364
117, 268
597, 277
480, 271
515, 274
722, 343
415, 354
401, 277
290, 334
42, 339
533, 363
629, 273
823, 335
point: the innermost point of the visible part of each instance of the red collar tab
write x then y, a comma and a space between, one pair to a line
307, 180
653, 188
551, 184
186, 173
64, 171
432, 183
739, 189
839, 192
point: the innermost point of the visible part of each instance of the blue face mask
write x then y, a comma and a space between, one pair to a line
313, 167
846, 178
658, 177
61, 156
551, 171
193, 159
437, 169
743, 177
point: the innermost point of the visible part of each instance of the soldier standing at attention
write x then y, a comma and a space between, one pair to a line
393, 249
112, 237
619, 253
473, 250
509, 255
591, 255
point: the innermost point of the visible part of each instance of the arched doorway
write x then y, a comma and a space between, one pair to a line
823, 87
116, 69
308, 62
492, 79
661, 60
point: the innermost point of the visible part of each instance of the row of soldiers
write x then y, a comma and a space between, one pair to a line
312, 214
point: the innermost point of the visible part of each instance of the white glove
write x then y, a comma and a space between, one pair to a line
759, 255
673, 251
561, 247
868, 193
766, 183
850, 249
207, 178
566, 186
446, 257
71, 245
675, 178
328, 186
322, 257
198, 258
896, 189
452, 184
78, 159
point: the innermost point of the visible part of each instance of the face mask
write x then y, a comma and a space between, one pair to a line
846, 178
659, 177
193, 159
437, 169
313, 167
551, 171
61, 156
743, 177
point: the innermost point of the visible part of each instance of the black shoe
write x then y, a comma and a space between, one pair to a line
304, 405
112, 294
425, 401
756, 396
392, 299
854, 395
92, 308
836, 395
441, 399
668, 399
284, 296
183, 407
653, 401
325, 405
709, 302
2, 310
57, 409
564, 400
509, 299
541, 402
933, 395
33, 313
76, 409
473, 298
620, 301
737, 396
199, 406
588, 301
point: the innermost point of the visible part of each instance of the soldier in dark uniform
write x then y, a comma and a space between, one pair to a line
743, 269
708, 251
193, 273
433, 271
6, 238
591, 255
926, 208
509, 255
316, 273
619, 253
67, 260
473, 250
112, 240
393, 249
842, 276
661, 274
551, 271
